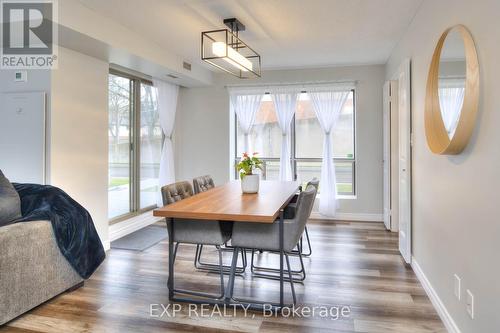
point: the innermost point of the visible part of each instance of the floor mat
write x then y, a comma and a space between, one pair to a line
142, 239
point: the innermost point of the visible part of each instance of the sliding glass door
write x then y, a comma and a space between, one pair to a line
120, 141
135, 142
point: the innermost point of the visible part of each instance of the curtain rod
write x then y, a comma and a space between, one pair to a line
277, 84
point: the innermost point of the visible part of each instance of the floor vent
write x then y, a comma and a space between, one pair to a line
186, 65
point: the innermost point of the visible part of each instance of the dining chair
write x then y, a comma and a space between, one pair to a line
203, 184
197, 232
289, 213
266, 236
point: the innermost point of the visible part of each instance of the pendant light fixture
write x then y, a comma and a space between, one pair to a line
225, 50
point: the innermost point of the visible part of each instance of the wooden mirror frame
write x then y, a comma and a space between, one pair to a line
435, 131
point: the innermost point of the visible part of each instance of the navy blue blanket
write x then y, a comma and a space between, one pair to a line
73, 227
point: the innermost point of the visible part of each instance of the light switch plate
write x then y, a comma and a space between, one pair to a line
470, 304
457, 287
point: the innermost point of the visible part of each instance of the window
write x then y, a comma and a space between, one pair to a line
307, 142
135, 141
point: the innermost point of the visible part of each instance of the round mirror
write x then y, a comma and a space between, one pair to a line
452, 92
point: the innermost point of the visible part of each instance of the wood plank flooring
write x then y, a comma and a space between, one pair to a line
353, 264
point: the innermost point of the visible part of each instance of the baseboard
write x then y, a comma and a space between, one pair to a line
349, 217
122, 229
443, 313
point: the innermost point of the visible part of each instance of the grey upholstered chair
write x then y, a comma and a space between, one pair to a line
266, 236
290, 213
300, 274
203, 184
194, 231
292, 206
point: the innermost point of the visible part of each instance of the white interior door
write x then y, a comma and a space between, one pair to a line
387, 154
404, 111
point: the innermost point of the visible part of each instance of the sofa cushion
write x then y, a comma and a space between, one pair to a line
10, 203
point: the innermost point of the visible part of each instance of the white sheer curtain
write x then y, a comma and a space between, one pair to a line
167, 105
285, 103
245, 103
451, 98
327, 103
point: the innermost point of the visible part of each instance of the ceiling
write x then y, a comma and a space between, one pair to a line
286, 33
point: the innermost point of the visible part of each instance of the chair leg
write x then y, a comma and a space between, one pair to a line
244, 258
302, 268
198, 264
291, 279
197, 254
199, 293
308, 254
251, 261
301, 273
221, 272
175, 250
230, 284
256, 304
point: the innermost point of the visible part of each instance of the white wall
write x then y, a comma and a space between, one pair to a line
456, 226
79, 133
203, 136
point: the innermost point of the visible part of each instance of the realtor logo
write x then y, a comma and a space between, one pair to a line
29, 34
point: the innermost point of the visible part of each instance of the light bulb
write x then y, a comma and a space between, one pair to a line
233, 57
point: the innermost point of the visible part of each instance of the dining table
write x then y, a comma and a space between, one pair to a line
227, 203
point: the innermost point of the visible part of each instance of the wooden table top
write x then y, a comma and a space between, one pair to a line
228, 203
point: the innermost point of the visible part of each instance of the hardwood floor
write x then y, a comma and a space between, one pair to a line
353, 264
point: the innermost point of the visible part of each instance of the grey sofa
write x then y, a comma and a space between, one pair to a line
32, 268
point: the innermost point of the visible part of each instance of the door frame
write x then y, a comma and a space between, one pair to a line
406, 248
386, 160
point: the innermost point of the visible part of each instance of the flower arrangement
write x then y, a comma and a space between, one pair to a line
247, 164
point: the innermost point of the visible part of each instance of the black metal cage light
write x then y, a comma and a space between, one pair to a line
225, 50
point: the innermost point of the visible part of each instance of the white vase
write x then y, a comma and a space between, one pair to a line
250, 184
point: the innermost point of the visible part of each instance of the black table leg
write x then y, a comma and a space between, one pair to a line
281, 231
171, 257
230, 283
